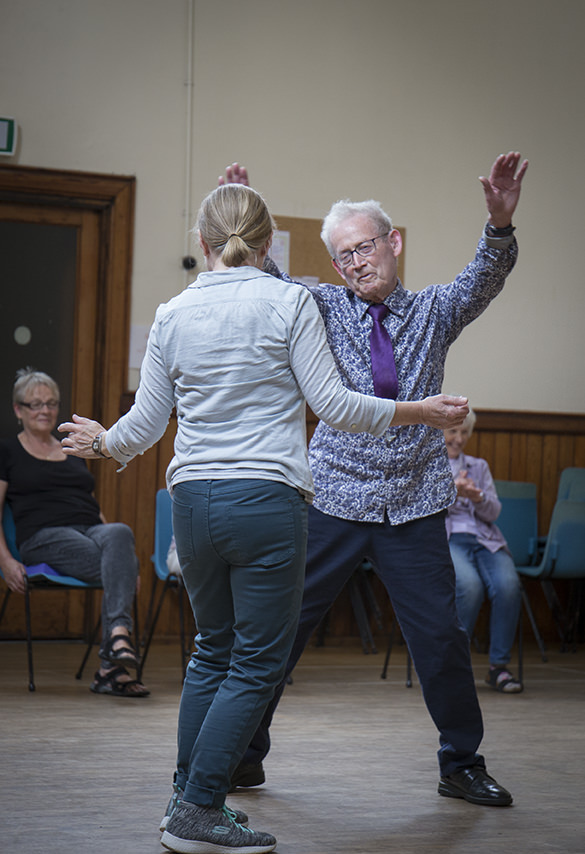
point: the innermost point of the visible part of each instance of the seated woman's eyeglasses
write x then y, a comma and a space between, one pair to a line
37, 405
367, 247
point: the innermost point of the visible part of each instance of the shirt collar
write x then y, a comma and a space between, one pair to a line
234, 274
396, 302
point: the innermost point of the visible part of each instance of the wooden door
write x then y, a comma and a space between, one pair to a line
73, 233
100, 210
49, 306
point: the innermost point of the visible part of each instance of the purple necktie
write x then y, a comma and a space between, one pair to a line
383, 366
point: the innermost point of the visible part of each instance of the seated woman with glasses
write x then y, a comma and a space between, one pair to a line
59, 522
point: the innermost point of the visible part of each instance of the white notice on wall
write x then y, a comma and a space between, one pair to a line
138, 339
280, 250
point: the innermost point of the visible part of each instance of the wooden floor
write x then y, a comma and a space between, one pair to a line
353, 767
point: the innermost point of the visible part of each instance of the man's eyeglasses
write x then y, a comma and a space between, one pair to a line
37, 405
367, 247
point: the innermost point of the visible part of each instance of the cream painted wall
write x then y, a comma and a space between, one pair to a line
405, 102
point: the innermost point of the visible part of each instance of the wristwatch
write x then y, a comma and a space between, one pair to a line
492, 231
96, 446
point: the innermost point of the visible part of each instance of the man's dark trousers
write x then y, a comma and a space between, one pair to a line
414, 563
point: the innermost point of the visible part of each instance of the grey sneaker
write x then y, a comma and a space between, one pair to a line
237, 815
204, 830
171, 806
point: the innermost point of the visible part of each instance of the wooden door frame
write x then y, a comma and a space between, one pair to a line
104, 214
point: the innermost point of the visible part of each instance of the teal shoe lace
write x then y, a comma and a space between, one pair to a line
231, 815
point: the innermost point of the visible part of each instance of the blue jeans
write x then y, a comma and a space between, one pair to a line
242, 548
414, 563
98, 553
480, 573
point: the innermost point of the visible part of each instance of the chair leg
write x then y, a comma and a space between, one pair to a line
31, 678
4, 604
408, 670
371, 600
361, 616
88, 611
149, 611
535, 631
152, 626
90, 644
388, 650
573, 612
579, 591
562, 619
137, 640
184, 652
387, 659
520, 648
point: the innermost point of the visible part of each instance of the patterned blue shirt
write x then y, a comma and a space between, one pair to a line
405, 474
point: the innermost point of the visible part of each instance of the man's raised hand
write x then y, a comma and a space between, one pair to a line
234, 174
502, 188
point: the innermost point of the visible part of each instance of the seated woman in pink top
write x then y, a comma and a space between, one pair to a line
483, 564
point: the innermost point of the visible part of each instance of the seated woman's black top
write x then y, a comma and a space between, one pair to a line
46, 493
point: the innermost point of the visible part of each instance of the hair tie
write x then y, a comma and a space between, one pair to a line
233, 235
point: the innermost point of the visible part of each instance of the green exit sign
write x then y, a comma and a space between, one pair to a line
7, 135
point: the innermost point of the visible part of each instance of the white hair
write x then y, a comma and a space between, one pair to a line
344, 209
29, 378
470, 420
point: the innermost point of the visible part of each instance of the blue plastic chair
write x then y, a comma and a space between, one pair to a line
163, 532
563, 558
41, 577
564, 552
518, 522
572, 484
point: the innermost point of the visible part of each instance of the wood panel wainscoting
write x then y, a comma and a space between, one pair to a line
525, 446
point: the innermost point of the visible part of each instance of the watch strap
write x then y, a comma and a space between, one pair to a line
96, 446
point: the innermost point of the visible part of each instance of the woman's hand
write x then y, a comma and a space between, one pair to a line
444, 411
441, 410
466, 488
81, 433
15, 576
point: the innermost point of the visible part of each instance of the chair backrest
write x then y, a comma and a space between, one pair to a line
564, 554
518, 520
163, 532
572, 485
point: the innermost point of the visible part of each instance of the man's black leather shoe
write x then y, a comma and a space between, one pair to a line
247, 776
476, 786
